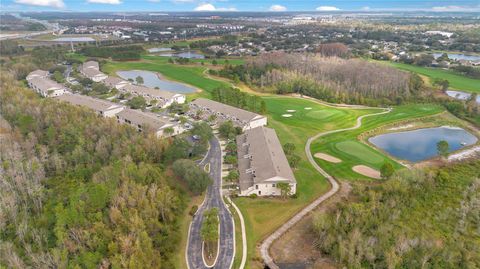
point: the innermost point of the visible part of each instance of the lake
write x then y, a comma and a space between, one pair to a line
186, 54
461, 95
74, 39
421, 144
154, 50
152, 80
457, 56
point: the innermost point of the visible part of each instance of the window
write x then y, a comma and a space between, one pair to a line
259, 192
256, 187
273, 185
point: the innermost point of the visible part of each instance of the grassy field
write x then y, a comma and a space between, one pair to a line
264, 215
346, 147
187, 74
457, 81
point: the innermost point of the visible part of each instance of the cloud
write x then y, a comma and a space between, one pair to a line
327, 8
109, 2
210, 7
277, 8
42, 3
154, 1
451, 8
365, 8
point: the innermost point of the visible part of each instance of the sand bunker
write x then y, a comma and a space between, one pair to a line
366, 171
291, 110
308, 108
286, 115
328, 158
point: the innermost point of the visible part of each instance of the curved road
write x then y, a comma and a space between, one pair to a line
335, 187
213, 198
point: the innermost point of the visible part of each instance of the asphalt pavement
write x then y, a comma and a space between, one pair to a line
213, 199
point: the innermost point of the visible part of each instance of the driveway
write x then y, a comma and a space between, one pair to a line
213, 199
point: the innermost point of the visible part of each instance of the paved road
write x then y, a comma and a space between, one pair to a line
333, 182
213, 199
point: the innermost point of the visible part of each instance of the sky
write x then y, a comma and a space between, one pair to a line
240, 5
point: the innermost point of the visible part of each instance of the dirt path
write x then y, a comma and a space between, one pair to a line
265, 246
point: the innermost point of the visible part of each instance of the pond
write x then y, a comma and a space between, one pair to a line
74, 39
461, 95
421, 144
152, 80
186, 54
154, 50
457, 56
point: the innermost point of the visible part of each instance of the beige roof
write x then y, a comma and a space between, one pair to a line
87, 101
265, 158
90, 72
37, 73
91, 65
142, 90
46, 84
137, 117
113, 81
241, 114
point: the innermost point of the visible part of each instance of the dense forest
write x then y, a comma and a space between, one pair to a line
79, 191
237, 98
332, 79
117, 53
417, 219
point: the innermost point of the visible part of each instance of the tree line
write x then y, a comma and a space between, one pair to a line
235, 97
117, 53
82, 191
416, 219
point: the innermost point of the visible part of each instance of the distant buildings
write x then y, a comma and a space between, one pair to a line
262, 164
143, 121
101, 107
91, 70
442, 33
163, 98
239, 117
42, 84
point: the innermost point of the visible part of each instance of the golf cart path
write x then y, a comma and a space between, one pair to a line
264, 248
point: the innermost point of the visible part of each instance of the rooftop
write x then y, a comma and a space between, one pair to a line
238, 113
143, 118
142, 90
45, 84
87, 101
260, 153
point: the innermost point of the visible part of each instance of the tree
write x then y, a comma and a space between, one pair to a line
139, 80
293, 160
233, 175
137, 102
285, 189
387, 170
209, 229
289, 148
227, 130
58, 77
202, 130
442, 148
168, 131
195, 179
230, 159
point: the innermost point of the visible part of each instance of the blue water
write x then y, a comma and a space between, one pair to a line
188, 54
153, 50
74, 39
421, 144
152, 80
456, 56
461, 95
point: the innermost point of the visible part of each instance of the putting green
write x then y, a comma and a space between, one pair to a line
324, 113
360, 151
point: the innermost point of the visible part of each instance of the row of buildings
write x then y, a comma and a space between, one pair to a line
161, 125
262, 164
91, 70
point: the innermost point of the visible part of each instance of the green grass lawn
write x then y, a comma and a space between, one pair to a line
187, 74
457, 81
345, 145
264, 215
